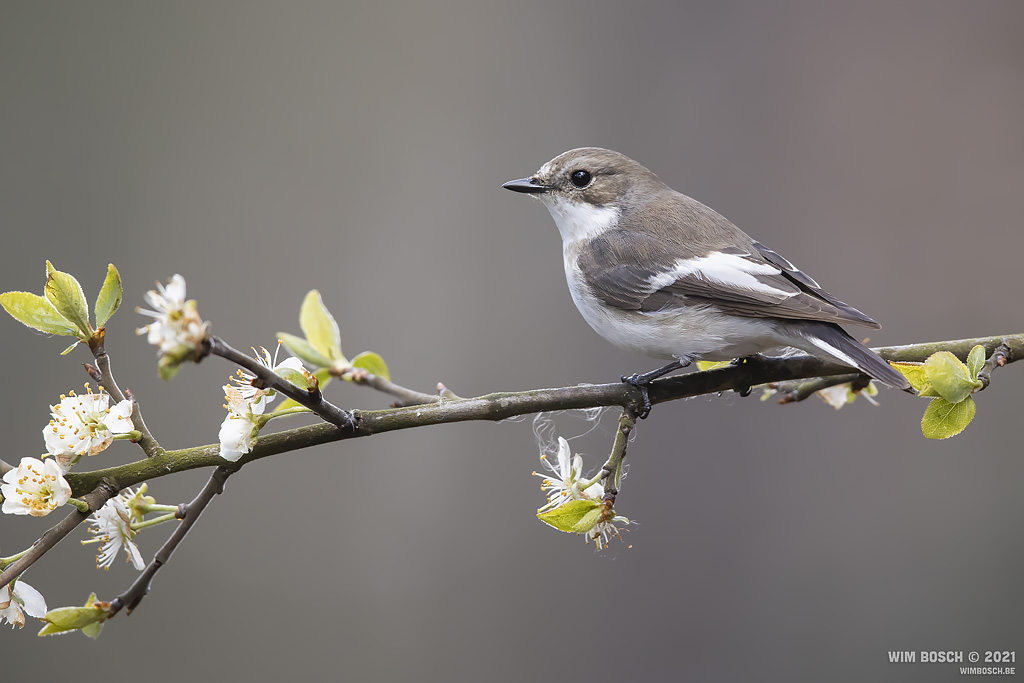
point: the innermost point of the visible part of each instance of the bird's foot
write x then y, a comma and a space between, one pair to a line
641, 382
746, 360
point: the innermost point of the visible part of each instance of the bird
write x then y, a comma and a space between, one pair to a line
654, 271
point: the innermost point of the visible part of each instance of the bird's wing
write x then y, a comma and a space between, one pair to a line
639, 272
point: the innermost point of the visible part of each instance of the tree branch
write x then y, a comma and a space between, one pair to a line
106, 378
611, 471
794, 392
405, 396
131, 598
501, 406
314, 400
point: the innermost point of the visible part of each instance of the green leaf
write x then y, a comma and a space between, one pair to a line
89, 618
109, 297
319, 326
67, 297
588, 520
571, 515
323, 375
914, 372
703, 365
372, 363
71, 618
294, 376
943, 419
949, 377
976, 360
71, 348
37, 312
304, 350
93, 630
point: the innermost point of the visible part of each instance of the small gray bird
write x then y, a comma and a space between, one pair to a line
657, 272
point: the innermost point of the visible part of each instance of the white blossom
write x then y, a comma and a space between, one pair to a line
260, 398
177, 323
34, 488
111, 525
85, 425
602, 532
25, 600
561, 482
239, 430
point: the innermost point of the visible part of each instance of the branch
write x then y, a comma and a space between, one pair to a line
96, 498
405, 396
501, 406
793, 392
611, 471
131, 598
314, 399
106, 378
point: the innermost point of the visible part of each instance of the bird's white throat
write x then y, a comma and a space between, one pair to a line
579, 220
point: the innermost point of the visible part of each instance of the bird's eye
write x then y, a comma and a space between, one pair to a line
581, 178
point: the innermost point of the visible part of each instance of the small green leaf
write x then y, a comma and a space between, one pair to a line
37, 312
588, 520
949, 377
914, 372
703, 365
319, 326
71, 618
304, 350
89, 618
976, 361
943, 419
71, 348
372, 363
109, 297
294, 376
570, 515
93, 630
323, 375
66, 295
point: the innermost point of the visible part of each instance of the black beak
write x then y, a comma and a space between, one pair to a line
527, 185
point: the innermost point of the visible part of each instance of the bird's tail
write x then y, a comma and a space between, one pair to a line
834, 341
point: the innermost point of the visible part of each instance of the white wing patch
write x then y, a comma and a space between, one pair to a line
833, 351
731, 270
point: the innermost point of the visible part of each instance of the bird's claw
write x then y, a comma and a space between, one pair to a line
640, 382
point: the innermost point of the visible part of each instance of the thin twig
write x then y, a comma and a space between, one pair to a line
998, 359
106, 377
103, 492
405, 396
313, 400
794, 392
611, 471
131, 598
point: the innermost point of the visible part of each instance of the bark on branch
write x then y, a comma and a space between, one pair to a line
500, 406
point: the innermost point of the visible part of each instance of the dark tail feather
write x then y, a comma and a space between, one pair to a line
834, 341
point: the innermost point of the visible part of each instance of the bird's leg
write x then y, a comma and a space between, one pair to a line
641, 381
756, 358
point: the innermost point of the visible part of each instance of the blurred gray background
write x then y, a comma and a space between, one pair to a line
264, 149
